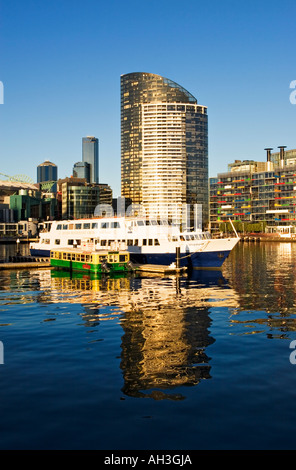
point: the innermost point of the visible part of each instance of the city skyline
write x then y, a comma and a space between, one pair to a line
237, 59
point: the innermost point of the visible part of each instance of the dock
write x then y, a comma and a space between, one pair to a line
158, 269
140, 268
33, 264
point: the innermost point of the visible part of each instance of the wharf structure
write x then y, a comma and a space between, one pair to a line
258, 196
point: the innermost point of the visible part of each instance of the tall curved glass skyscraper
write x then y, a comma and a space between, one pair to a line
164, 144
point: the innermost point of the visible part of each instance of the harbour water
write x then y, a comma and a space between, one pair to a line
195, 362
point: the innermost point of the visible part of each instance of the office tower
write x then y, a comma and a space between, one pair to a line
164, 144
82, 170
47, 171
90, 155
47, 176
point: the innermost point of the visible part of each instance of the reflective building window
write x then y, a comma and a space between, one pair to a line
164, 144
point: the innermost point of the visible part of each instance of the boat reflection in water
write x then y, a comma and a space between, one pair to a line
165, 322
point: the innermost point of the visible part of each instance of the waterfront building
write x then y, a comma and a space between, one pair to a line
164, 145
47, 175
78, 199
259, 196
106, 194
28, 204
90, 155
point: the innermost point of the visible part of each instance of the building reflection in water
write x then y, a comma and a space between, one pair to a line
166, 326
263, 276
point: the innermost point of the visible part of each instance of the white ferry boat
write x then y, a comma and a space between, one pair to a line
147, 241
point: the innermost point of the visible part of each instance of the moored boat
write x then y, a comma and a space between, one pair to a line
92, 262
147, 241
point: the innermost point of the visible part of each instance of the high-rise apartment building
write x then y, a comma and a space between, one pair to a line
90, 155
164, 144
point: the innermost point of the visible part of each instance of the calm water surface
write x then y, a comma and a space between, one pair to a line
199, 362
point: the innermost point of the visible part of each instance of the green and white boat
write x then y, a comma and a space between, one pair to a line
96, 262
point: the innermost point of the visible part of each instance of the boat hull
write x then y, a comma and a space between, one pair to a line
202, 260
205, 260
88, 268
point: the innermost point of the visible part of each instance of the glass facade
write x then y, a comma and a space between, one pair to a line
82, 170
90, 155
47, 171
79, 201
164, 143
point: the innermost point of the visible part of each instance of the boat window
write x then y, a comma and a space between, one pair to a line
156, 242
130, 243
105, 225
147, 222
140, 223
95, 225
136, 242
153, 222
73, 256
78, 226
78, 257
102, 259
122, 258
64, 255
57, 242
144, 242
78, 242
71, 226
87, 258
182, 238
70, 242
59, 227
115, 225
82, 258
187, 237
69, 256
86, 226
150, 242
174, 238
110, 241
65, 227
192, 237
103, 242
47, 241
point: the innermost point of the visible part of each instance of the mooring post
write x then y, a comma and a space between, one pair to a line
178, 257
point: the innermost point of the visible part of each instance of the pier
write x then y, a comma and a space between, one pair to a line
32, 264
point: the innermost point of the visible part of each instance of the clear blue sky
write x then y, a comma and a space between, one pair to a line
61, 61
